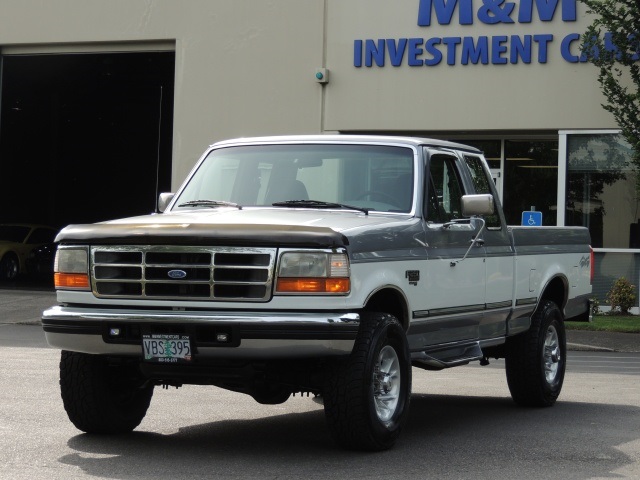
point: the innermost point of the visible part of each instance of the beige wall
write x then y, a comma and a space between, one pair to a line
246, 67
473, 97
243, 67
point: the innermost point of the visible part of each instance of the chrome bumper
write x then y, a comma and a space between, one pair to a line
251, 334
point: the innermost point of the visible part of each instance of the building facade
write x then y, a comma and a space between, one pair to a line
507, 77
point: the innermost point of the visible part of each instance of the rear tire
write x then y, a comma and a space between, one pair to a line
102, 398
366, 400
536, 359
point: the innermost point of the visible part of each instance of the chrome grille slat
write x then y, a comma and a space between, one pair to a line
210, 273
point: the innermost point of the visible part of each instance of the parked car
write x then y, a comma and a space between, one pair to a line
40, 261
17, 241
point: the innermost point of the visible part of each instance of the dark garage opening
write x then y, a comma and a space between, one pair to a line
84, 137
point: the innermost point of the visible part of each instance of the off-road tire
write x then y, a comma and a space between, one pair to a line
536, 359
350, 396
100, 397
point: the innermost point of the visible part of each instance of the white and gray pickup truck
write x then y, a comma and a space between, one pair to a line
325, 265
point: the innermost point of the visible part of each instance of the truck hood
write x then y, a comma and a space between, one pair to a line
281, 227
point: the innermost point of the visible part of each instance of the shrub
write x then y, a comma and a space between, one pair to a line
622, 296
595, 306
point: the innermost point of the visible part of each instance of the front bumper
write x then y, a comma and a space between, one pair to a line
251, 335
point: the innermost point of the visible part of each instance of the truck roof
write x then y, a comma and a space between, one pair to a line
344, 139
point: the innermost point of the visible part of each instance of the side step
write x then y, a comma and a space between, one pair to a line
448, 356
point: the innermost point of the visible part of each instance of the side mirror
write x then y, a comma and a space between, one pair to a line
164, 200
477, 205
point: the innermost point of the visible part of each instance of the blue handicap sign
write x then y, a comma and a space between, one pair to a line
532, 219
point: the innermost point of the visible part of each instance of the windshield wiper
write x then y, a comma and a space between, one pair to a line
319, 204
210, 203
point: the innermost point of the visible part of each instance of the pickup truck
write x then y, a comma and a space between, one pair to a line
326, 265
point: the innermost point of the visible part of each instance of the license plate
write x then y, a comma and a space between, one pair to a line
166, 348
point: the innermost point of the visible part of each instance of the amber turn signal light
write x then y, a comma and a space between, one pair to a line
313, 285
71, 280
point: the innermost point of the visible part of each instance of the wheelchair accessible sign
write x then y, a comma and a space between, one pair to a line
532, 218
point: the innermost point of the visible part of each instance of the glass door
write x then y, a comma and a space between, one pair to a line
531, 179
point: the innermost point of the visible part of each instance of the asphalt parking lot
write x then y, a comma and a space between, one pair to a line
205, 432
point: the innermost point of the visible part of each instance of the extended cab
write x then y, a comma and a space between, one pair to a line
327, 265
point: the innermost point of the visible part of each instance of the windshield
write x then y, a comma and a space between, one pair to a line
373, 177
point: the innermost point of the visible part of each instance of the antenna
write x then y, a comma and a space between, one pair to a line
158, 149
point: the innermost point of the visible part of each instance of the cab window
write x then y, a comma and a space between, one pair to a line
444, 190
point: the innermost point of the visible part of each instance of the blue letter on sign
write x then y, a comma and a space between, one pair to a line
520, 49
546, 10
396, 52
543, 42
357, 53
444, 11
415, 50
433, 51
374, 52
475, 53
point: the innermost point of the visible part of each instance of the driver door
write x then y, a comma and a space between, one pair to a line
453, 290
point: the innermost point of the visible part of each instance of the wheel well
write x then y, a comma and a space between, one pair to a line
556, 291
392, 302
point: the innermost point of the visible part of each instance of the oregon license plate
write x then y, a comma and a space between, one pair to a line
162, 348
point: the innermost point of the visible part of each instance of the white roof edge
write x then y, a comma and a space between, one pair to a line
382, 139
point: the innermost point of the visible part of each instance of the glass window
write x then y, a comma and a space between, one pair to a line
42, 235
531, 179
14, 233
601, 190
609, 267
368, 176
490, 148
481, 183
445, 190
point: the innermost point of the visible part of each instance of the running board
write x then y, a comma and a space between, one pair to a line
447, 357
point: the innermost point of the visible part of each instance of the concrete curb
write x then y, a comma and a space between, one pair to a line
577, 347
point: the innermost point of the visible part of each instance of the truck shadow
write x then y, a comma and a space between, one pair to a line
466, 437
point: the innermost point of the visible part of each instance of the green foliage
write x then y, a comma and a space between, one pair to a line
622, 296
607, 323
612, 43
595, 306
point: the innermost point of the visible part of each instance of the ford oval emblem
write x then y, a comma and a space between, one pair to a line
177, 274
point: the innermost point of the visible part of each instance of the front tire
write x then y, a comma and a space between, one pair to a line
9, 267
102, 398
367, 397
536, 359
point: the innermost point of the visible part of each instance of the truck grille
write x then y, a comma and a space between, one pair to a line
183, 273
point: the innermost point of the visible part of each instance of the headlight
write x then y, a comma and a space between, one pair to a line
311, 272
71, 269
